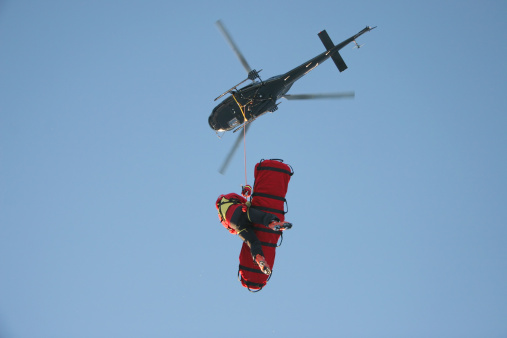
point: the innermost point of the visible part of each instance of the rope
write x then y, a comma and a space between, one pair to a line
244, 151
244, 134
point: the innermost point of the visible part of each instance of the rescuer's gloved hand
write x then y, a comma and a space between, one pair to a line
246, 191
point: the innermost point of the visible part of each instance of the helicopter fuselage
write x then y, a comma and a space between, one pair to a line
248, 103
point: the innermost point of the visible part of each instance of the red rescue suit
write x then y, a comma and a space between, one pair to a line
236, 216
226, 205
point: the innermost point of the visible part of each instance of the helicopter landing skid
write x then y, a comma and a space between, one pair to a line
220, 134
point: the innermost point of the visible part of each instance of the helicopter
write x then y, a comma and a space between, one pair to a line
246, 104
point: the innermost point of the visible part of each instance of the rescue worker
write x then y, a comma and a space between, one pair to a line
236, 215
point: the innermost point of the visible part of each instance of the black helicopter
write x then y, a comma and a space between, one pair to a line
246, 104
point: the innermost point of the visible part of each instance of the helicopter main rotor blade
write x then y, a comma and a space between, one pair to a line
227, 160
233, 46
320, 96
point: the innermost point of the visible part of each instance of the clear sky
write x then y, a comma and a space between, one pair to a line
109, 170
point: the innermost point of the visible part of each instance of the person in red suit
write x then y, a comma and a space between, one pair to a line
236, 216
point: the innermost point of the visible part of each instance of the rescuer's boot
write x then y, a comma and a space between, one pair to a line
279, 226
261, 261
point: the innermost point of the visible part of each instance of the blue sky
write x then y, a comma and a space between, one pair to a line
108, 170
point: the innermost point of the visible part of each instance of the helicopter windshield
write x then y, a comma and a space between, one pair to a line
234, 122
274, 77
250, 85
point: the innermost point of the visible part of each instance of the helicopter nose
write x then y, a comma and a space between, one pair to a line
212, 122
209, 121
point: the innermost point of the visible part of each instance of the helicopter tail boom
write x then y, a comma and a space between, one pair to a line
337, 58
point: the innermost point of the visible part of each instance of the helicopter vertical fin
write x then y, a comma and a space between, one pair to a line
337, 58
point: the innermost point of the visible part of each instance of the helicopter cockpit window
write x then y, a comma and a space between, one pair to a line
274, 77
234, 122
247, 86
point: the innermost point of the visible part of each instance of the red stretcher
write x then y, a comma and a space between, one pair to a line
271, 182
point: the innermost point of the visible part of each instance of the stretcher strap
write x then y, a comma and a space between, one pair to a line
251, 286
260, 194
273, 197
273, 245
264, 229
246, 268
276, 169
269, 209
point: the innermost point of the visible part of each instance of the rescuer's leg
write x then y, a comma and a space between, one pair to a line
261, 261
279, 226
245, 231
261, 217
268, 220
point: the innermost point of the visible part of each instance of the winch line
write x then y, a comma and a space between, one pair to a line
244, 134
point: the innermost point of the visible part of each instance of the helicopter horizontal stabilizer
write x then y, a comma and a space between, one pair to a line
337, 58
